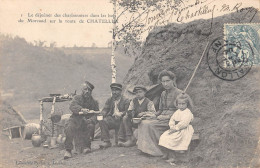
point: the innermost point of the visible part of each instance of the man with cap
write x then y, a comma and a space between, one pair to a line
80, 121
114, 110
139, 107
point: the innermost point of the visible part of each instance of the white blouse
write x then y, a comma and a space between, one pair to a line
184, 117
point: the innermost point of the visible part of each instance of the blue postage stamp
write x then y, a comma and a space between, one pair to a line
246, 36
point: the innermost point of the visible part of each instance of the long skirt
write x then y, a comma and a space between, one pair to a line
149, 132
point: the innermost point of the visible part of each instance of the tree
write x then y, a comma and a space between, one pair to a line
93, 45
113, 46
39, 43
129, 34
53, 44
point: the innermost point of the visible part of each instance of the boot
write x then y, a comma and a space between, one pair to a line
86, 150
67, 155
172, 157
120, 144
165, 152
129, 142
165, 156
105, 144
182, 156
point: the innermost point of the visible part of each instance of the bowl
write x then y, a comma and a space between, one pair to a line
137, 120
54, 94
100, 117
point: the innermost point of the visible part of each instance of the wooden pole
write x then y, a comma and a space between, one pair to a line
41, 117
52, 111
53, 103
195, 70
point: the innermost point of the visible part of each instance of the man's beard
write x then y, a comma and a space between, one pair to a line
87, 95
115, 96
140, 98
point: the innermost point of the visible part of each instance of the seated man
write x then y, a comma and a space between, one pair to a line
139, 107
80, 121
113, 111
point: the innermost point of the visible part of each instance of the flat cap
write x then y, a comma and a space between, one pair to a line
89, 85
116, 85
140, 87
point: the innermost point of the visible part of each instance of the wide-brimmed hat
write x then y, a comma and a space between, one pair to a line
140, 87
116, 85
89, 85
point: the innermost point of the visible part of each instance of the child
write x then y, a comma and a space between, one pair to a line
139, 107
178, 137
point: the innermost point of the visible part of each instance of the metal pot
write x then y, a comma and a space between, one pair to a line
55, 117
36, 140
59, 139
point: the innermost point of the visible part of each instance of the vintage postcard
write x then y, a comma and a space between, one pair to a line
130, 83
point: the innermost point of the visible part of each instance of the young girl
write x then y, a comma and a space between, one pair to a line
178, 137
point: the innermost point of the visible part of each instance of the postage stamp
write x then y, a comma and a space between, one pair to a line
248, 35
227, 60
231, 58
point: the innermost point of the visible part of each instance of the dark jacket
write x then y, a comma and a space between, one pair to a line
108, 109
80, 102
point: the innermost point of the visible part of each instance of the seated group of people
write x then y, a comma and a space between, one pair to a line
166, 132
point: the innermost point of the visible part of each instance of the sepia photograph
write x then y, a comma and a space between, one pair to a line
130, 84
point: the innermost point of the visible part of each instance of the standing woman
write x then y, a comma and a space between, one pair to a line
149, 131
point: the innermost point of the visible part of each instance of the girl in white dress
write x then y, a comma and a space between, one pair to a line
178, 137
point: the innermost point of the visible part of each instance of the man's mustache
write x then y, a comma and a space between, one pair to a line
115, 94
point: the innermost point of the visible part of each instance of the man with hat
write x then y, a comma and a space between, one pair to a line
114, 110
139, 107
80, 121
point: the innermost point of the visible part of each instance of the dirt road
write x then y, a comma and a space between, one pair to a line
20, 153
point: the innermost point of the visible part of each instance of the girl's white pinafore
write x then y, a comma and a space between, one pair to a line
181, 139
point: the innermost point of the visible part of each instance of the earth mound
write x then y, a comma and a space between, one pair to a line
9, 117
227, 111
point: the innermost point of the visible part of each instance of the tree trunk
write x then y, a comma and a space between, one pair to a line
113, 57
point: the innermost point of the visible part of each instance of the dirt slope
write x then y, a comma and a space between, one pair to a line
228, 112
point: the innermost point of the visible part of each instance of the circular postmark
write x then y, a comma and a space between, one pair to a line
229, 60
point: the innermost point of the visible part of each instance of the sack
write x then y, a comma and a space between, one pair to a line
30, 129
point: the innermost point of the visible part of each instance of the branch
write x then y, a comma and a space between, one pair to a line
130, 22
121, 13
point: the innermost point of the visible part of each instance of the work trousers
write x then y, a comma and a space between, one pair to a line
123, 126
79, 125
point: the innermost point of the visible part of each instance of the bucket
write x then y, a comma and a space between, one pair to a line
30, 129
53, 142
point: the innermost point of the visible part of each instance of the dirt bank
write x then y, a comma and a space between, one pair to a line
227, 111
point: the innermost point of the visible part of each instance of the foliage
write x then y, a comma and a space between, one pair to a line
130, 34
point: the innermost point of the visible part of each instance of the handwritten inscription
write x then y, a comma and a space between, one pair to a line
164, 14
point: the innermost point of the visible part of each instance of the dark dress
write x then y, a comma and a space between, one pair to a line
149, 131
